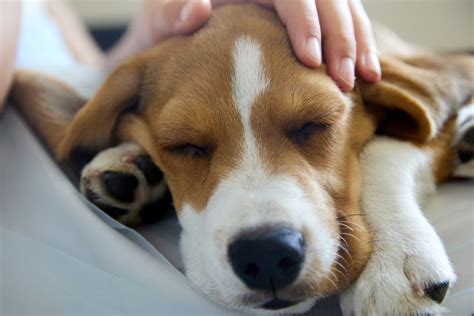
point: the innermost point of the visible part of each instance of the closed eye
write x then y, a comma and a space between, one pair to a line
190, 150
302, 134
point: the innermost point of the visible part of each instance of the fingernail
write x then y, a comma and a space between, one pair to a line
372, 64
346, 71
313, 50
186, 11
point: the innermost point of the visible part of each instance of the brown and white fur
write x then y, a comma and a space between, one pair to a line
247, 137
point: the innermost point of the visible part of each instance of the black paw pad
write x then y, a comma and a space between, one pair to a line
119, 185
152, 174
114, 212
437, 292
466, 147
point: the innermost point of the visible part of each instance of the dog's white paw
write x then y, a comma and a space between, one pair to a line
401, 278
409, 272
125, 183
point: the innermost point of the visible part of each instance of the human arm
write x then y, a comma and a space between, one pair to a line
9, 32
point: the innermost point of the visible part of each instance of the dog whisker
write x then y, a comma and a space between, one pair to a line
342, 258
351, 235
359, 226
345, 225
332, 282
334, 274
345, 248
349, 215
341, 265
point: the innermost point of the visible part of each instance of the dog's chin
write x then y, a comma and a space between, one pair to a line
280, 307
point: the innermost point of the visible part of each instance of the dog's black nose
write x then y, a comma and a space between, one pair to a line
268, 258
438, 292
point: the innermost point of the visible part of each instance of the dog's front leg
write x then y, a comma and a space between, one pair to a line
409, 271
125, 183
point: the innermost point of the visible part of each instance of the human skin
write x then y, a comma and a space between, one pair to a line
73, 31
9, 30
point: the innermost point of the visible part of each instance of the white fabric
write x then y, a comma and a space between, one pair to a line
58, 257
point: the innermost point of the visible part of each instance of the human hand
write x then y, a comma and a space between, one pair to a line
343, 29
341, 26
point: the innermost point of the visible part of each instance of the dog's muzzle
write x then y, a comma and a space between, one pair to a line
268, 259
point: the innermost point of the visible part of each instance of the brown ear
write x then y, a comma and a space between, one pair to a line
48, 104
93, 125
417, 94
133, 128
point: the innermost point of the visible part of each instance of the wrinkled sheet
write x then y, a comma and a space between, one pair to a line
60, 256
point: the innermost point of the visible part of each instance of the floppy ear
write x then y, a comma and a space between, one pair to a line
417, 94
93, 125
48, 104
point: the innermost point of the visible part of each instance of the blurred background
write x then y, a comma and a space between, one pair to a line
441, 24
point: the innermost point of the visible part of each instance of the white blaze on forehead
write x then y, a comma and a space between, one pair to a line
249, 77
249, 82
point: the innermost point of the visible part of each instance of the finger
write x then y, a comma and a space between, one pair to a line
367, 62
178, 17
338, 41
265, 3
302, 23
217, 3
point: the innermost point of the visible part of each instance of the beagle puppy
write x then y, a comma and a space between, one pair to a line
287, 189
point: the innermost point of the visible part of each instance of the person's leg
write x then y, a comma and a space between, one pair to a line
54, 41
80, 43
9, 32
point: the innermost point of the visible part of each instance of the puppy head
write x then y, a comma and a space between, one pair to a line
259, 152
